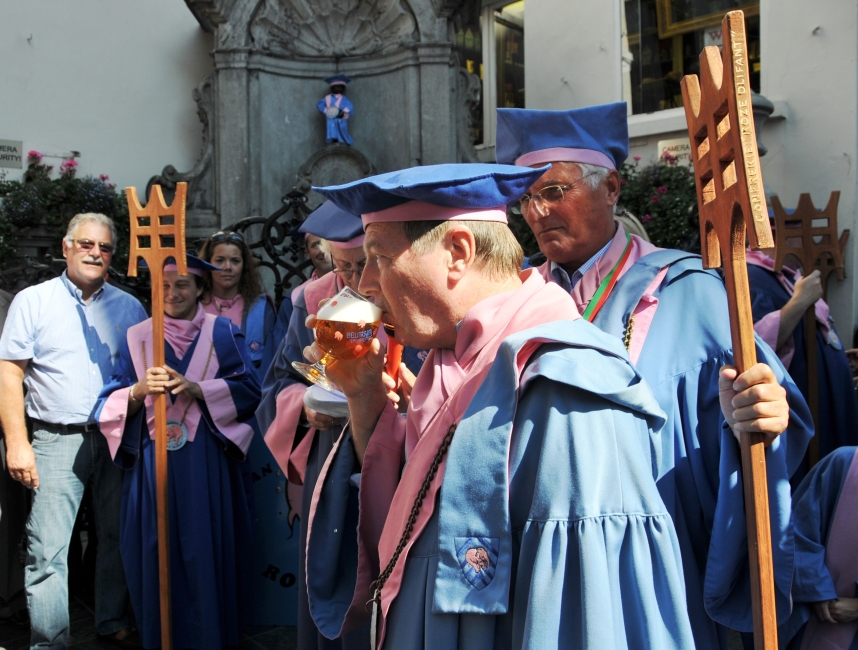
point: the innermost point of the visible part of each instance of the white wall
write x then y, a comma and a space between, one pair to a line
109, 78
571, 53
814, 149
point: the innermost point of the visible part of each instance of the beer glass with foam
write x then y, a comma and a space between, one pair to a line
345, 326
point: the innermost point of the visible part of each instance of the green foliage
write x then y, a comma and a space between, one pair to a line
664, 198
42, 203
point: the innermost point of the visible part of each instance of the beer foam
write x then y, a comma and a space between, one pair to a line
349, 310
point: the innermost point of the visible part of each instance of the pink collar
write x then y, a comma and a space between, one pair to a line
321, 289
589, 283
181, 333
231, 309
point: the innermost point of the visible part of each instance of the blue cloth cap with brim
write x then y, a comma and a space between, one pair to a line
338, 78
196, 266
331, 223
435, 192
595, 135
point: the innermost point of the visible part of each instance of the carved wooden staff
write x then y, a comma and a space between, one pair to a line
731, 200
827, 257
158, 232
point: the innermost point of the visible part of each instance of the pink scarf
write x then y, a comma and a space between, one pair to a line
234, 309
180, 333
444, 389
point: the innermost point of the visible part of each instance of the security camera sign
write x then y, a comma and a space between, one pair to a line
11, 154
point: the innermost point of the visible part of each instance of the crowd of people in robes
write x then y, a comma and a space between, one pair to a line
554, 463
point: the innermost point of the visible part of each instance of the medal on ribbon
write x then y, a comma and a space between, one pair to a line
177, 435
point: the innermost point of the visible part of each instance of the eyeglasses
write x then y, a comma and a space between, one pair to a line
550, 194
226, 235
347, 273
88, 245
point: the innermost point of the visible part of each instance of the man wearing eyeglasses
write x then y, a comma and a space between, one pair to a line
61, 340
672, 318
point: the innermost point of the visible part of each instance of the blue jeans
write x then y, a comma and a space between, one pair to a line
65, 464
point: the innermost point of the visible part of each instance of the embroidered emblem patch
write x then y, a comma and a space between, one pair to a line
254, 346
478, 558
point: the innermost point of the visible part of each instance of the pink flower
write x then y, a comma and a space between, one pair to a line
637, 158
623, 181
34, 156
655, 199
646, 218
68, 168
661, 189
104, 178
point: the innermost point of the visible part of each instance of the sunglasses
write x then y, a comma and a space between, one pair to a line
88, 245
226, 235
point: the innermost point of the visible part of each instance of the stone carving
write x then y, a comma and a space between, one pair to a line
468, 88
199, 179
334, 164
332, 28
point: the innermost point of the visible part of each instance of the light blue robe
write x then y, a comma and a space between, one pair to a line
558, 480
699, 474
814, 503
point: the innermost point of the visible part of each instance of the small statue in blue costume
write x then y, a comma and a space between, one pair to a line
337, 110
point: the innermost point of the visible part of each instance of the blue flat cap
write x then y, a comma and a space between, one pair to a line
435, 192
595, 135
331, 223
338, 78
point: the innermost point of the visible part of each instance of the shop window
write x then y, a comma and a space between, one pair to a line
490, 44
662, 41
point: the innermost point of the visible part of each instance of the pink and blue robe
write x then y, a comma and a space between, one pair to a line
210, 500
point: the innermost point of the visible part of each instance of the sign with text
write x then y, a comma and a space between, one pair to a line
12, 154
680, 148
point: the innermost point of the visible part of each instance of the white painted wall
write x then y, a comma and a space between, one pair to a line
109, 78
814, 149
571, 53
572, 59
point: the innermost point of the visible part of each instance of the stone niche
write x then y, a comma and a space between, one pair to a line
262, 132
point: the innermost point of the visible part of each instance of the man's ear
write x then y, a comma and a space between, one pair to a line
612, 186
65, 249
462, 250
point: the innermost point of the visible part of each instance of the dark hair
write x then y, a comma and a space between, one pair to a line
338, 89
250, 283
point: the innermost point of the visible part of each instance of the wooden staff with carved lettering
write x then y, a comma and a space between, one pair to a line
732, 202
157, 233
826, 257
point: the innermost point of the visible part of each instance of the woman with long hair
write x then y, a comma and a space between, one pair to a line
236, 292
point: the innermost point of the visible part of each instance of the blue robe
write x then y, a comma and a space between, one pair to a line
279, 376
337, 128
838, 406
814, 503
699, 474
210, 506
258, 327
557, 480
